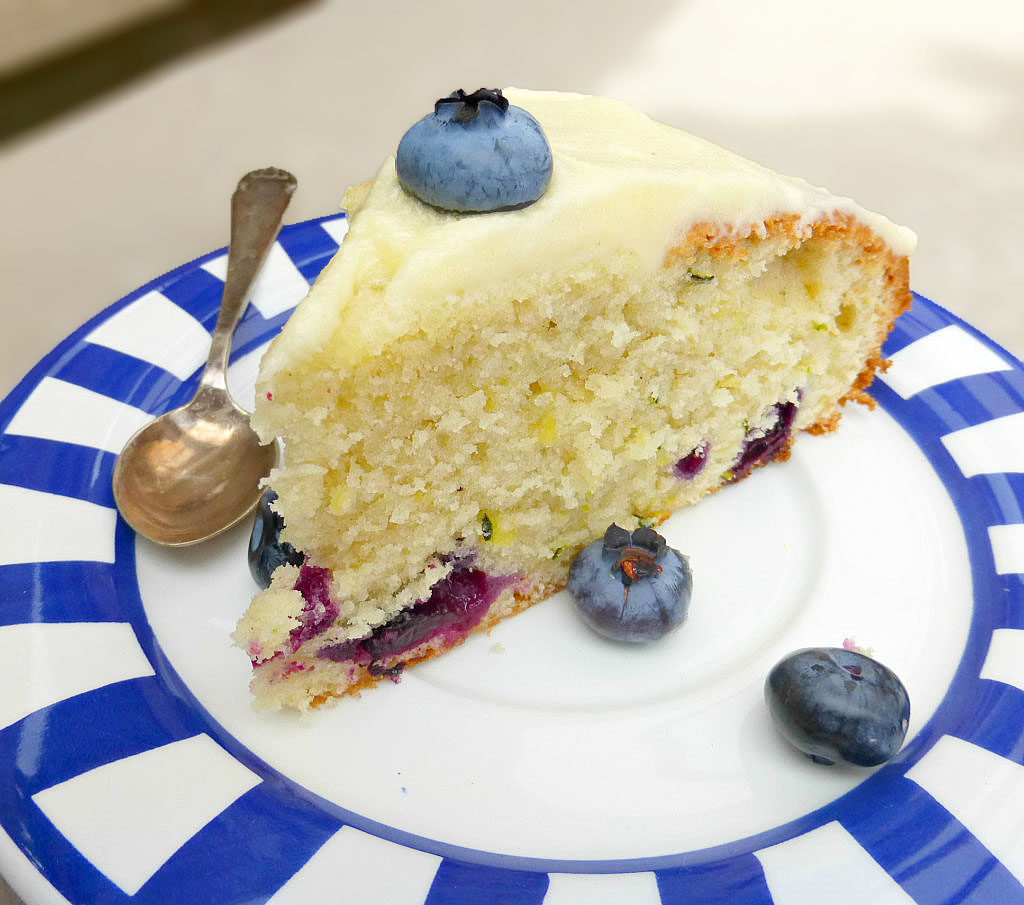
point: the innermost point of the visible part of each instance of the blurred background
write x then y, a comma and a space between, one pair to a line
125, 124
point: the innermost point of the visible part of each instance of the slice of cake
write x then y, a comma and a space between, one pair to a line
468, 399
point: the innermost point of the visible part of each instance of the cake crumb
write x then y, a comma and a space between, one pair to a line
851, 645
497, 648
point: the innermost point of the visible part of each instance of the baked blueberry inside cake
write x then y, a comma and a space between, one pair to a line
467, 398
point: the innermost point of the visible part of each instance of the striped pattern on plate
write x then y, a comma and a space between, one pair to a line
118, 787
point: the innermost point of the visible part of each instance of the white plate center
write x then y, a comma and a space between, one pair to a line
543, 740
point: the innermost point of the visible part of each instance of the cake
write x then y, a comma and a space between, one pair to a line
466, 400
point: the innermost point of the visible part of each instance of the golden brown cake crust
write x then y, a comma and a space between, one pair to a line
841, 229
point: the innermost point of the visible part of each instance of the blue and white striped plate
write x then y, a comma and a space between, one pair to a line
538, 764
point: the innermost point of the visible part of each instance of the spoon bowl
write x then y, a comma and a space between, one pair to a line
195, 471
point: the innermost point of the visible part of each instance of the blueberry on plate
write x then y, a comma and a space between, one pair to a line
631, 586
266, 549
837, 705
475, 153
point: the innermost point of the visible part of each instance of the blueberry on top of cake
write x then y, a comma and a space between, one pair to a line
469, 397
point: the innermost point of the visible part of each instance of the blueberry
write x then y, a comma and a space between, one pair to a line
692, 464
761, 446
838, 705
631, 586
266, 549
475, 152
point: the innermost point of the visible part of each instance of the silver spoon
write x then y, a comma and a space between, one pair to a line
195, 471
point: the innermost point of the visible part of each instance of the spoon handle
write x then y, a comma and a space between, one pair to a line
257, 206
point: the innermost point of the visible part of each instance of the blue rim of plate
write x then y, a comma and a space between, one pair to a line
265, 837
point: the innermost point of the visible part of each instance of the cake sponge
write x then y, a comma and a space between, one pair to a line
466, 400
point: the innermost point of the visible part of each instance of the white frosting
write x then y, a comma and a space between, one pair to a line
622, 184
